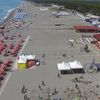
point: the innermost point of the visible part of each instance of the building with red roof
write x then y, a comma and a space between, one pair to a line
92, 29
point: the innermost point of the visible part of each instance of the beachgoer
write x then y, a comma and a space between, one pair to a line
64, 55
81, 76
76, 78
58, 75
43, 62
55, 90
52, 93
24, 90
97, 86
40, 97
71, 45
43, 83
39, 87
60, 99
76, 86
26, 97
81, 49
43, 55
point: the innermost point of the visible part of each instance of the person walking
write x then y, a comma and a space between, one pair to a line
26, 97
39, 86
43, 83
24, 90
58, 75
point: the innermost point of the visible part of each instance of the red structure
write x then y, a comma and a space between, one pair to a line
30, 63
97, 37
88, 29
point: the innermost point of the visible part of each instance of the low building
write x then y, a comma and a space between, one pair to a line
97, 37
88, 29
26, 61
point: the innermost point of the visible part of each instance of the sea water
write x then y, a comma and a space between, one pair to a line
6, 6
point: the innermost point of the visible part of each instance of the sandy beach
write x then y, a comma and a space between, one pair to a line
43, 36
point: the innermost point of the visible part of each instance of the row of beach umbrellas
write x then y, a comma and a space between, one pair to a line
20, 16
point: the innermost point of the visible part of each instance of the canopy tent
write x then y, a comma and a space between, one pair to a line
21, 63
63, 66
61, 13
44, 9
74, 67
22, 60
27, 57
30, 57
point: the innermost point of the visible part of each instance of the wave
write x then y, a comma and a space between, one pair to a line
8, 13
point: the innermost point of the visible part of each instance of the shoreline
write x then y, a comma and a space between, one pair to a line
9, 16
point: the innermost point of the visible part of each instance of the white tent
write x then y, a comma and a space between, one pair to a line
63, 66
30, 57
63, 13
27, 57
22, 57
72, 67
44, 9
75, 65
21, 60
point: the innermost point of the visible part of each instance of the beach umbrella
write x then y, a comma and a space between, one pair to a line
6, 35
16, 48
4, 52
1, 76
2, 47
0, 36
2, 71
3, 67
17, 45
6, 62
22, 40
12, 37
13, 52
10, 45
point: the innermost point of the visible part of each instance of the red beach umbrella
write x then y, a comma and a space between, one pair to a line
3, 67
4, 52
6, 35
2, 71
10, 45
6, 61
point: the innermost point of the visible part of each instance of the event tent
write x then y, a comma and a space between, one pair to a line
72, 67
63, 66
